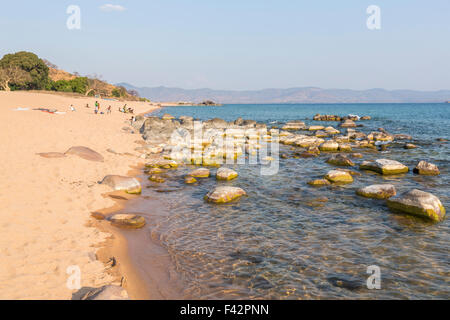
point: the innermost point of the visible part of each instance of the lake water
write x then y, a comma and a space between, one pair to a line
288, 240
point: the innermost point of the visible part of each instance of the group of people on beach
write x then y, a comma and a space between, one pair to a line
124, 109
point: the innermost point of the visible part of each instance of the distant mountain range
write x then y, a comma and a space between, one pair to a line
291, 95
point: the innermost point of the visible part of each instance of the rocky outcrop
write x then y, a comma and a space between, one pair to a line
128, 221
384, 166
127, 184
226, 174
426, 168
377, 191
326, 117
418, 203
224, 194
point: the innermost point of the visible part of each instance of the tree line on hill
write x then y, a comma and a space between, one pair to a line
26, 71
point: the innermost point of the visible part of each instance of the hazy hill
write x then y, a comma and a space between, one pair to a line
291, 95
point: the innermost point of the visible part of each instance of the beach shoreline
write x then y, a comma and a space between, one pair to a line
46, 203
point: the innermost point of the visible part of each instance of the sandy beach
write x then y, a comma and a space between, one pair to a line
46, 203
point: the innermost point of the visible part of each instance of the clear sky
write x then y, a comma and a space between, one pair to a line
239, 44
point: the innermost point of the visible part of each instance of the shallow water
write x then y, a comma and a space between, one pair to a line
288, 240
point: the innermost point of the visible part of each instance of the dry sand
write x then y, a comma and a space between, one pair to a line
45, 204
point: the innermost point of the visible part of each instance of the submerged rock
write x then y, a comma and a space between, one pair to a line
418, 203
226, 174
384, 166
319, 182
345, 148
156, 179
426, 168
127, 220
340, 160
410, 146
127, 184
339, 176
224, 194
85, 153
377, 191
190, 180
200, 173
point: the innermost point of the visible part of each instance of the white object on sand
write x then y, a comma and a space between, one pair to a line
21, 109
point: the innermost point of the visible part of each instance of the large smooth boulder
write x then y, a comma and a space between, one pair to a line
224, 194
200, 173
418, 203
127, 220
384, 166
127, 184
315, 128
340, 160
85, 153
377, 191
339, 176
426, 168
329, 146
216, 123
226, 174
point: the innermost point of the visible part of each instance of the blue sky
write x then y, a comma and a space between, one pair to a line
246, 44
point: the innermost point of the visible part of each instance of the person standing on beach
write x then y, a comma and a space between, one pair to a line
108, 111
97, 107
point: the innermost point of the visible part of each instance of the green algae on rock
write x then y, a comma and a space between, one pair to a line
418, 203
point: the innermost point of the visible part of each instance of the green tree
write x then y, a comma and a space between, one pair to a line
31, 64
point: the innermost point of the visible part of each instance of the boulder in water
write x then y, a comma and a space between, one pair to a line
190, 180
224, 194
226, 174
384, 166
200, 173
157, 179
348, 124
410, 146
329, 146
339, 176
340, 160
127, 184
85, 153
418, 203
128, 220
426, 168
315, 128
377, 191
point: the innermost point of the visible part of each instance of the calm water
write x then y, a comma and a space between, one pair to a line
288, 240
